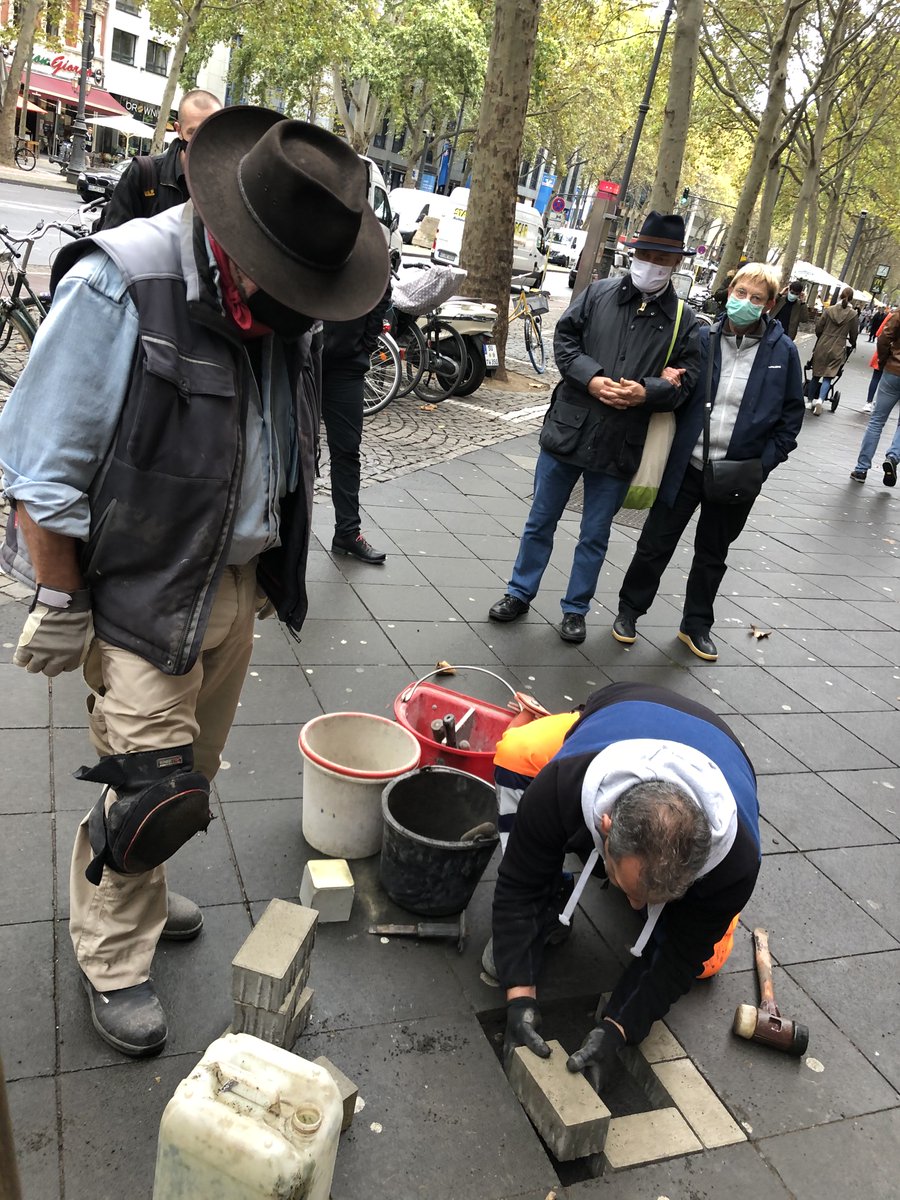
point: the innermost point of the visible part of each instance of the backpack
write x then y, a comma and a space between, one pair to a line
148, 182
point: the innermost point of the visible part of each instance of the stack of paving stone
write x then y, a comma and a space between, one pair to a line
269, 974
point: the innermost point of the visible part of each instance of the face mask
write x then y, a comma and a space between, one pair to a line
791, 298
742, 313
283, 320
648, 277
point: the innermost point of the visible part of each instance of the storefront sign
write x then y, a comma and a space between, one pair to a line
141, 110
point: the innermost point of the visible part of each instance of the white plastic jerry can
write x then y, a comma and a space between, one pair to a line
251, 1122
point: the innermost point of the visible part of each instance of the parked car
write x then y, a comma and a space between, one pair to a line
98, 183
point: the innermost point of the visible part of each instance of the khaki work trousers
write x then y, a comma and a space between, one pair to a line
115, 927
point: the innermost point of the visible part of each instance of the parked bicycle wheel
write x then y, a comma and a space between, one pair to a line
16, 336
25, 158
383, 376
474, 368
413, 354
444, 362
534, 343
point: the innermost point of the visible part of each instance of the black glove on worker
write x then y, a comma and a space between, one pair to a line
597, 1055
523, 1020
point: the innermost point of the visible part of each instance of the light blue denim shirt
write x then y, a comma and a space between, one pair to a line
57, 425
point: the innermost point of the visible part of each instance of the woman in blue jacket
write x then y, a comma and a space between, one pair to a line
756, 392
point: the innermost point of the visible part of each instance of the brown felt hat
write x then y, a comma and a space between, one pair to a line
287, 201
660, 231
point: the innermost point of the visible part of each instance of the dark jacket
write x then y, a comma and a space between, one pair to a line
771, 411
888, 346
128, 200
163, 501
791, 314
609, 330
348, 344
550, 823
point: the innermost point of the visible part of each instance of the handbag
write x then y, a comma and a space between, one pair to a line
726, 480
660, 435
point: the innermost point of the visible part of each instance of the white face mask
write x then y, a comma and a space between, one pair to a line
648, 277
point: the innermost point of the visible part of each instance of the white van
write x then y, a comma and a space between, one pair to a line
565, 245
529, 244
412, 206
381, 205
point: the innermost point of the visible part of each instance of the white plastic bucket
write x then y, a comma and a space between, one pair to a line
347, 760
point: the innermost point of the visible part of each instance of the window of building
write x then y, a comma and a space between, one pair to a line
157, 58
128, 6
123, 46
399, 139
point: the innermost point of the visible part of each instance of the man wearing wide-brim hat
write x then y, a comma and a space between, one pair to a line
626, 348
159, 452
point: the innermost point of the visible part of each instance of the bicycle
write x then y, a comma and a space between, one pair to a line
26, 159
531, 315
434, 355
383, 376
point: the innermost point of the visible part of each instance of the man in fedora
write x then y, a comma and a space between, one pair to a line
159, 453
626, 348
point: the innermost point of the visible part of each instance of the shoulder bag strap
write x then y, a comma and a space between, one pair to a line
679, 311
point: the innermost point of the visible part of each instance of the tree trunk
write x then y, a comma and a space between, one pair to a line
362, 122
759, 250
677, 113
487, 247
9, 112
191, 17
765, 138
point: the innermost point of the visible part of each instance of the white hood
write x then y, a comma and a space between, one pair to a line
640, 760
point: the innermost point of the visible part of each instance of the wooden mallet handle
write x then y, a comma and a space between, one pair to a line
764, 972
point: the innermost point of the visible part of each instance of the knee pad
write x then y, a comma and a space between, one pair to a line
161, 802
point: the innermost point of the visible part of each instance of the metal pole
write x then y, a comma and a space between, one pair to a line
9, 1172
79, 129
857, 234
453, 141
607, 259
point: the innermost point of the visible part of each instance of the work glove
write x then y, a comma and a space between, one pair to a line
597, 1055
57, 633
523, 1020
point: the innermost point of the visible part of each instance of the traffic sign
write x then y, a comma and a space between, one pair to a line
701, 250
558, 204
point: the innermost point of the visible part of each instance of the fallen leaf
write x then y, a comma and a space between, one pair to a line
444, 668
427, 408
759, 633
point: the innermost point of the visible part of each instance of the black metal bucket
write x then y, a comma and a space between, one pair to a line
425, 868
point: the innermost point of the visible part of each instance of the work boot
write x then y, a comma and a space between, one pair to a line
130, 1019
510, 608
572, 628
357, 547
700, 644
890, 471
185, 920
623, 629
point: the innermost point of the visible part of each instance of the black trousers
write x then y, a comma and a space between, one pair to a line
342, 412
717, 528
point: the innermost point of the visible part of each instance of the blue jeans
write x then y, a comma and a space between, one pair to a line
553, 485
887, 396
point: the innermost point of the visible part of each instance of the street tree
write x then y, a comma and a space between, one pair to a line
677, 113
24, 30
179, 19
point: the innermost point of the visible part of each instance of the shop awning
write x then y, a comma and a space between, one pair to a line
31, 107
97, 99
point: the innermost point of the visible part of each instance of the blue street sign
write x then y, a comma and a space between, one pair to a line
427, 184
545, 192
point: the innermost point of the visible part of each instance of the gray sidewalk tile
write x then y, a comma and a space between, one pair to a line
447, 572
26, 881
32, 1105
344, 643
871, 875
767, 756
842, 587
828, 689
26, 699
321, 567
417, 544
814, 815
886, 612
533, 645
807, 916
360, 689
852, 1158
424, 641
875, 792
839, 649
419, 1079
392, 519
841, 614
860, 994
68, 700
263, 763
821, 742
272, 646
396, 570
749, 690
735, 1171
27, 1017
880, 730
557, 688
269, 847
772, 840
275, 695
25, 771
681, 679
419, 602
765, 1091
776, 650
472, 603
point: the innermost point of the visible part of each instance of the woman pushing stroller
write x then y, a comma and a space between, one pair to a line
837, 326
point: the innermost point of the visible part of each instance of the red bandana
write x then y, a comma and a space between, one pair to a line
231, 297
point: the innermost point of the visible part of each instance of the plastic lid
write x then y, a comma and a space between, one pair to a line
306, 1118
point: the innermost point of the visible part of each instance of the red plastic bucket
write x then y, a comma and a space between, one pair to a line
422, 702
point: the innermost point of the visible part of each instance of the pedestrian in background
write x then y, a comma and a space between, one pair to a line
790, 308
837, 326
876, 370
886, 398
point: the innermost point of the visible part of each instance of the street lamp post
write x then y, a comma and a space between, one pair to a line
79, 129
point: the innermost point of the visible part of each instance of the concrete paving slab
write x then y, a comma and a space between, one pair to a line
26, 700
880, 730
370, 689
828, 690
26, 881
821, 742
846, 988
424, 641
839, 649
71, 749
789, 802
885, 612
841, 614
263, 763
886, 643
25, 771
269, 847
446, 572
419, 1078
749, 690
396, 570
32, 1102
27, 1030
882, 681
391, 602
871, 875
766, 754
417, 543
850, 1158
321, 567
533, 645
68, 701
472, 604
647, 1137
384, 517
345, 643
698, 1103
276, 696
875, 792
271, 646
735, 1171
564, 1108
807, 916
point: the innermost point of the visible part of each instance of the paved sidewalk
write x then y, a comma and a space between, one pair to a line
43, 174
817, 704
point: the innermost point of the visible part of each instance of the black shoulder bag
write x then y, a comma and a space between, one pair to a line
726, 480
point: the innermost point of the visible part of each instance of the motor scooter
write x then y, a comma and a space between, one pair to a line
474, 321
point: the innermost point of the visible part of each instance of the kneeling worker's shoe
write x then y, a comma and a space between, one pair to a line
700, 644
508, 609
572, 628
185, 920
623, 629
357, 547
890, 471
130, 1019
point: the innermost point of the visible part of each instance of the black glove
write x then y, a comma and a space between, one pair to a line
597, 1055
523, 1020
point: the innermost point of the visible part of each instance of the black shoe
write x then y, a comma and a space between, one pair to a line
623, 629
130, 1019
359, 548
889, 466
700, 644
510, 608
185, 920
858, 476
572, 628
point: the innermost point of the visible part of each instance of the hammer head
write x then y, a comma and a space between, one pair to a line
759, 1025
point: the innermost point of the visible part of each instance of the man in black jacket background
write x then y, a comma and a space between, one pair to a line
168, 185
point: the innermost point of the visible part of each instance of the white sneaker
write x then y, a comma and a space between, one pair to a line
807, 404
817, 408
867, 408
